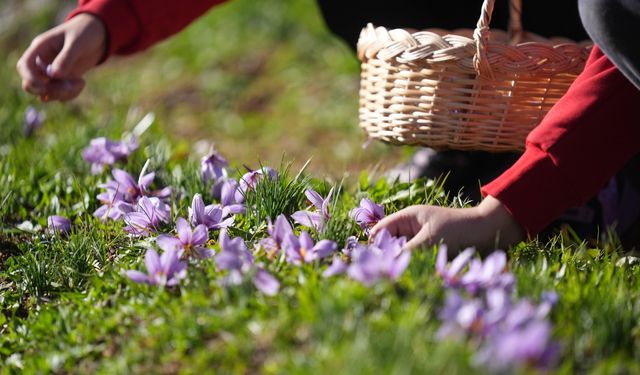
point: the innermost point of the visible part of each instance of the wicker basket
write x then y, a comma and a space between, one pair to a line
467, 90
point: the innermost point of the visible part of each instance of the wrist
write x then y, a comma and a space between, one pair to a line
502, 228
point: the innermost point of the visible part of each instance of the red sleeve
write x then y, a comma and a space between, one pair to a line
133, 25
584, 140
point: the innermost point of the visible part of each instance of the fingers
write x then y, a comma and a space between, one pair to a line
421, 238
62, 65
62, 90
401, 223
34, 78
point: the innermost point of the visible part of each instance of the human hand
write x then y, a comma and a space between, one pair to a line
486, 227
53, 65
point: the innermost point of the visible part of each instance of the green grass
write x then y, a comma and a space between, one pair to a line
261, 81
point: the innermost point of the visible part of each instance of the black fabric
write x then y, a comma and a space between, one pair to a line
544, 17
614, 25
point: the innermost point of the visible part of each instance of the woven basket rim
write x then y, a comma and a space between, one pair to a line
534, 54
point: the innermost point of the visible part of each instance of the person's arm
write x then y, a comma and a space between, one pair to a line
585, 139
133, 26
53, 66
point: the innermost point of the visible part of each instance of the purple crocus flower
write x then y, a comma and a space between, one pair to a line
250, 179
266, 283
130, 190
150, 212
188, 242
338, 266
228, 190
33, 119
530, 345
166, 269
236, 258
367, 215
314, 219
492, 273
450, 274
58, 225
278, 232
112, 206
370, 263
303, 249
102, 151
212, 167
211, 216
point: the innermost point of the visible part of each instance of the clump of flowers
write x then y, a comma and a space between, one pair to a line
238, 260
367, 215
480, 305
123, 193
103, 151
303, 249
385, 257
211, 216
314, 219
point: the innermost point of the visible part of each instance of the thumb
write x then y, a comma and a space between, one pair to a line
62, 65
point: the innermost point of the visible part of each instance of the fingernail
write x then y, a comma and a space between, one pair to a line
49, 71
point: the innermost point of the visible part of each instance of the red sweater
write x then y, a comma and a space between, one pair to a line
584, 140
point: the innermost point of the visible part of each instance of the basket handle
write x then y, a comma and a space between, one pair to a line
481, 33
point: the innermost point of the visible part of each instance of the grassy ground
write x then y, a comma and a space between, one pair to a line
258, 80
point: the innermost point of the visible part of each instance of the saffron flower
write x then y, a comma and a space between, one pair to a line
187, 242
303, 249
33, 119
212, 167
490, 273
378, 260
166, 269
236, 258
58, 225
338, 266
102, 151
112, 206
451, 273
314, 219
149, 214
126, 188
278, 232
228, 200
211, 216
250, 179
367, 215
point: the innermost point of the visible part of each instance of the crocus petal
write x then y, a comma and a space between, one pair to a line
314, 198
200, 235
266, 283
124, 179
399, 265
305, 241
58, 224
137, 276
166, 242
152, 261
308, 219
196, 211
337, 267
324, 248
461, 260
184, 231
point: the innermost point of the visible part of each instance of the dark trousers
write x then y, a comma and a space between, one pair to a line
614, 25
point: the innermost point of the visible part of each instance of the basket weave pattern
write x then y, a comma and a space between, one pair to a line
465, 90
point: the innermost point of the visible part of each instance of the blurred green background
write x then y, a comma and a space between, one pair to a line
261, 80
